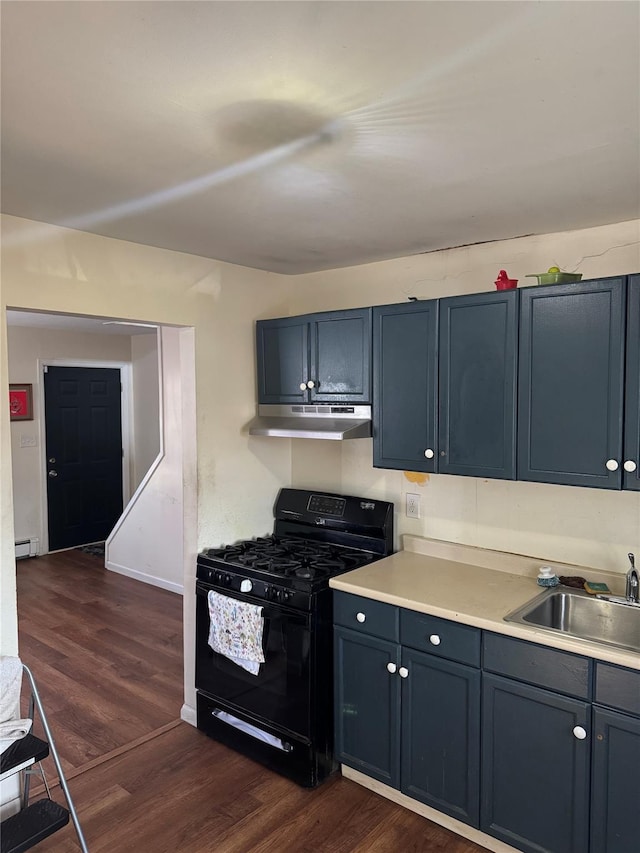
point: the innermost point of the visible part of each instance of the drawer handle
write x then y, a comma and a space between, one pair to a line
391, 667
579, 732
403, 672
360, 617
435, 640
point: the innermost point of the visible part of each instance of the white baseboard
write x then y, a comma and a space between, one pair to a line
188, 714
145, 578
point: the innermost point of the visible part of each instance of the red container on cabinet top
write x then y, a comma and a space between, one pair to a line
503, 282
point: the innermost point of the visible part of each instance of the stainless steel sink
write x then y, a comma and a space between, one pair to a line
579, 614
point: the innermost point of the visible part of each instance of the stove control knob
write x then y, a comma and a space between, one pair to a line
227, 580
246, 586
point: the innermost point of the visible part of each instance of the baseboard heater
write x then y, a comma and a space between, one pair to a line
26, 548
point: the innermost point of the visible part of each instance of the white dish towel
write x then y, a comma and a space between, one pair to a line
11, 726
235, 630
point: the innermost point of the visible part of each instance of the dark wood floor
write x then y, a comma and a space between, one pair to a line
106, 652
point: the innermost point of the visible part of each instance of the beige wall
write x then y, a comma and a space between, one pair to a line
586, 526
57, 269
146, 406
26, 347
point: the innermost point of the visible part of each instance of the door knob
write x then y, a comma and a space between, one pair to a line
52, 461
53, 473
434, 639
612, 464
391, 667
311, 384
429, 453
403, 672
361, 617
579, 732
303, 386
630, 466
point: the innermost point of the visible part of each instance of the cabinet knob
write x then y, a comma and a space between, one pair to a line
303, 386
434, 639
429, 453
630, 466
360, 617
612, 465
579, 732
403, 672
391, 667
311, 384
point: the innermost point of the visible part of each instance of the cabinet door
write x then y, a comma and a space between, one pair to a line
535, 771
441, 735
282, 355
631, 456
571, 383
614, 792
367, 714
405, 383
477, 387
341, 357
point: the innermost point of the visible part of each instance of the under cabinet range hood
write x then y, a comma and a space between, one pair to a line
336, 423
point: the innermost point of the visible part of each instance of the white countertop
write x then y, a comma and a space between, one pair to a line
472, 593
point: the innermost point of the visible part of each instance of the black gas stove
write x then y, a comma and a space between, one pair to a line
282, 716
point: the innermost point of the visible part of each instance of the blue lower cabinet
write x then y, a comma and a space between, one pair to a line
535, 767
441, 734
405, 717
367, 709
615, 794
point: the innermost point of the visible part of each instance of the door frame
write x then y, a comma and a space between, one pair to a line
126, 424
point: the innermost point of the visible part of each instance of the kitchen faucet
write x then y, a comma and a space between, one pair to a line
632, 592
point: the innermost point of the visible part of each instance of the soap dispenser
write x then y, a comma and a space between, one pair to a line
547, 577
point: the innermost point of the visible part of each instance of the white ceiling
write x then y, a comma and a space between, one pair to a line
299, 136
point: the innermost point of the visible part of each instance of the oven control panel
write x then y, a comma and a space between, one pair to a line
224, 581
326, 505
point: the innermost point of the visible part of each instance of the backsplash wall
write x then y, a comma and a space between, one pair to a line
590, 527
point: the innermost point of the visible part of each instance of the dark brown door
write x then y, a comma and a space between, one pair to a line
84, 454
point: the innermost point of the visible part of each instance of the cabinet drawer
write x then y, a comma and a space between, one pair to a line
618, 688
366, 615
440, 637
540, 665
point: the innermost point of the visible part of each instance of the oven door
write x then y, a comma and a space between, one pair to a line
280, 692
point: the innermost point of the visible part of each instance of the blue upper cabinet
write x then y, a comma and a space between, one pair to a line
405, 359
571, 382
631, 461
315, 358
468, 425
340, 366
282, 351
477, 387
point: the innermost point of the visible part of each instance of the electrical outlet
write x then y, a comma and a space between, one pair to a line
413, 506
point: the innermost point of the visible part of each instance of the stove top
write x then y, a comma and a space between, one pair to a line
289, 557
316, 536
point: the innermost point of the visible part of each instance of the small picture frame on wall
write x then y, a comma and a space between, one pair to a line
21, 402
